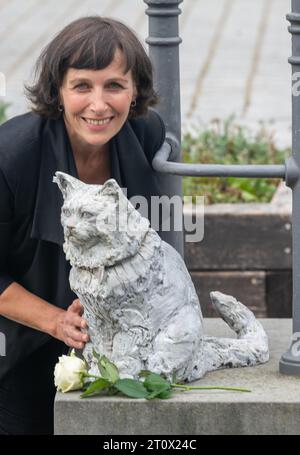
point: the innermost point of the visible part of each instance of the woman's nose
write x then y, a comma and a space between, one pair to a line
98, 103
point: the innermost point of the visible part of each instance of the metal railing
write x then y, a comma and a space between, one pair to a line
164, 43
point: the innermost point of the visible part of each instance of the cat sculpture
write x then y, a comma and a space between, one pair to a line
139, 301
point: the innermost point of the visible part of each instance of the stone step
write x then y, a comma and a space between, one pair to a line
273, 406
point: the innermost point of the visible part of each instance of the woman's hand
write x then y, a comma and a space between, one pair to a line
70, 324
20, 305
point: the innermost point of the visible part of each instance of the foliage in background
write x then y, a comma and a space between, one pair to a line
226, 143
3, 107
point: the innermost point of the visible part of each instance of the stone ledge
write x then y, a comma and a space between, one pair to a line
273, 406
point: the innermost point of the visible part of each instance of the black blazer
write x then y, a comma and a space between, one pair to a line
32, 148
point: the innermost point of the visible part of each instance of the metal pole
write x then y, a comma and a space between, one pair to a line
290, 361
164, 43
161, 164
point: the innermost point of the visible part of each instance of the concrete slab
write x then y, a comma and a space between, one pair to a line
273, 406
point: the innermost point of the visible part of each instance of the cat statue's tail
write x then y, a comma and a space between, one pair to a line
249, 348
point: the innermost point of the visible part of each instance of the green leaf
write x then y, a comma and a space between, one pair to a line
112, 391
158, 392
131, 388
3, 107
96, 387
86, 385
174, 378
155, 382
165, 394
96, 355
144, 373
248, 197
108, 369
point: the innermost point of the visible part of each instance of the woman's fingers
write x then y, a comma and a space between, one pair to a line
76, 339
76, 335
74, 344
77, 307
74, 323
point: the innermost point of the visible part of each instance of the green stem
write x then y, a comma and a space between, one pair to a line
86, 375
186, 387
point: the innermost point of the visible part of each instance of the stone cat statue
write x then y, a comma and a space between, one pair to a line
138, 297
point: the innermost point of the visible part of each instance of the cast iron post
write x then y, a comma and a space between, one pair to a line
290, 361
164, 43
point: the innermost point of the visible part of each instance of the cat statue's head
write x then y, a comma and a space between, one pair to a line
101, 227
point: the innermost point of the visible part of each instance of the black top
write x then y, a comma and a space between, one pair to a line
32, 148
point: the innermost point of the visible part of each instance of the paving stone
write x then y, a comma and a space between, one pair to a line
227, 61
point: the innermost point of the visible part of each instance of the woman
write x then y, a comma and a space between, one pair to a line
89, 118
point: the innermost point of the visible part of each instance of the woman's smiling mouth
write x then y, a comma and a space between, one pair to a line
96, 122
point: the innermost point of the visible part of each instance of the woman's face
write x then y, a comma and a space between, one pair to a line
96, 103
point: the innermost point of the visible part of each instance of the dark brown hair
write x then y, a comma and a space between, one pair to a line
90, 43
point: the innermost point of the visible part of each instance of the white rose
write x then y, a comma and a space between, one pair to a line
68, 373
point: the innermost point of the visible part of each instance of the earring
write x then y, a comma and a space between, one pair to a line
133, 104
60, 108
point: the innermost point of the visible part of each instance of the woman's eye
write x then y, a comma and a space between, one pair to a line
82, 86
115, 85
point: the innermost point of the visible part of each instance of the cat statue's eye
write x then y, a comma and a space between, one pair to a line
66, 212
86, 215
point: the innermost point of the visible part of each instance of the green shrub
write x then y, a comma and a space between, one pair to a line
226, 143
3, 107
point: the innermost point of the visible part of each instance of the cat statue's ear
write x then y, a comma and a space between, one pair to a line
66, 183
110, 188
